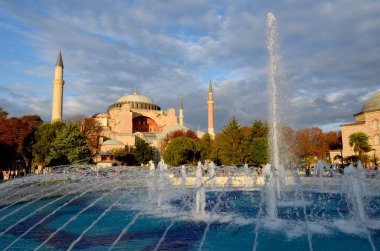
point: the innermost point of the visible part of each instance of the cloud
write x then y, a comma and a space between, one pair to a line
330, 57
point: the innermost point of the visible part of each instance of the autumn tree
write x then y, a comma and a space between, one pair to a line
333, 139
3, 114
311, 142
91, 130
13, 132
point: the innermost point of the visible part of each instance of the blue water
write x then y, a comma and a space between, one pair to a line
236, 222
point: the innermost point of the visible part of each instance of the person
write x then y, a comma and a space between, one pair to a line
307, 171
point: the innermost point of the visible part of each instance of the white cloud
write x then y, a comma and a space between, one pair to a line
330, 54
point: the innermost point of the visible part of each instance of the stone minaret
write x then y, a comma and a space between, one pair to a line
181, 113
210, 104
56, 114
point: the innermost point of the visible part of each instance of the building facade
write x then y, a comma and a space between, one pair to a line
134, 116
366, 121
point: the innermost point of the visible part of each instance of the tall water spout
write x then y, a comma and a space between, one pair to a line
151, 181
274, 130
162, 184
269, 189
356, 187
200, 196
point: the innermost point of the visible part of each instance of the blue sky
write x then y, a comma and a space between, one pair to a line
170, 49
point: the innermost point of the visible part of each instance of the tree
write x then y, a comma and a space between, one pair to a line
258, 151
144, 152
124, 156
170, 136
91, 130
359, 141
13, 132
311, 142
206, 143
44, 138
70, 147
259, 129
7, 155
230, 141
3, 114
182, 150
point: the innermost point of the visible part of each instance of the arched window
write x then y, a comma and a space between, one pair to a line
144, 124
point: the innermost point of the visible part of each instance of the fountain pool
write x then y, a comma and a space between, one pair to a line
125, 209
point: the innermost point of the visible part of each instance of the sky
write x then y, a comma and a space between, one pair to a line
329, 64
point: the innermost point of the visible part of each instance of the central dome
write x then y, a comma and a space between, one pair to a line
372, 103
135, 98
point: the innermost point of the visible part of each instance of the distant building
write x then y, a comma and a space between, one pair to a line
131, 117
366, 121
134, 116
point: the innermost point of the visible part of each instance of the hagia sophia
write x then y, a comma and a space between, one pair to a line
131, 117
136, 116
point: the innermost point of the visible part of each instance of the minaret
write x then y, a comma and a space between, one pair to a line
56, 114
210, 104
181, 113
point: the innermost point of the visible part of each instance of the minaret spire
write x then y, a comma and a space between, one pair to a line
181, 113
210, 104
135, 90
59, 60
58, 83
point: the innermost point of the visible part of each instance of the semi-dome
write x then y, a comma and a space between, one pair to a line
135, 98
372, 103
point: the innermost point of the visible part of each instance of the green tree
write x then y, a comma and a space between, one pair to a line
182, 150
144, 152
258, 151
359, 141
70, 147
259, 129
124, 156
206, 147
231, 144
44, 138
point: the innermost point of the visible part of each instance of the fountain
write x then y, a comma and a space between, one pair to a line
200, 195
180, 208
